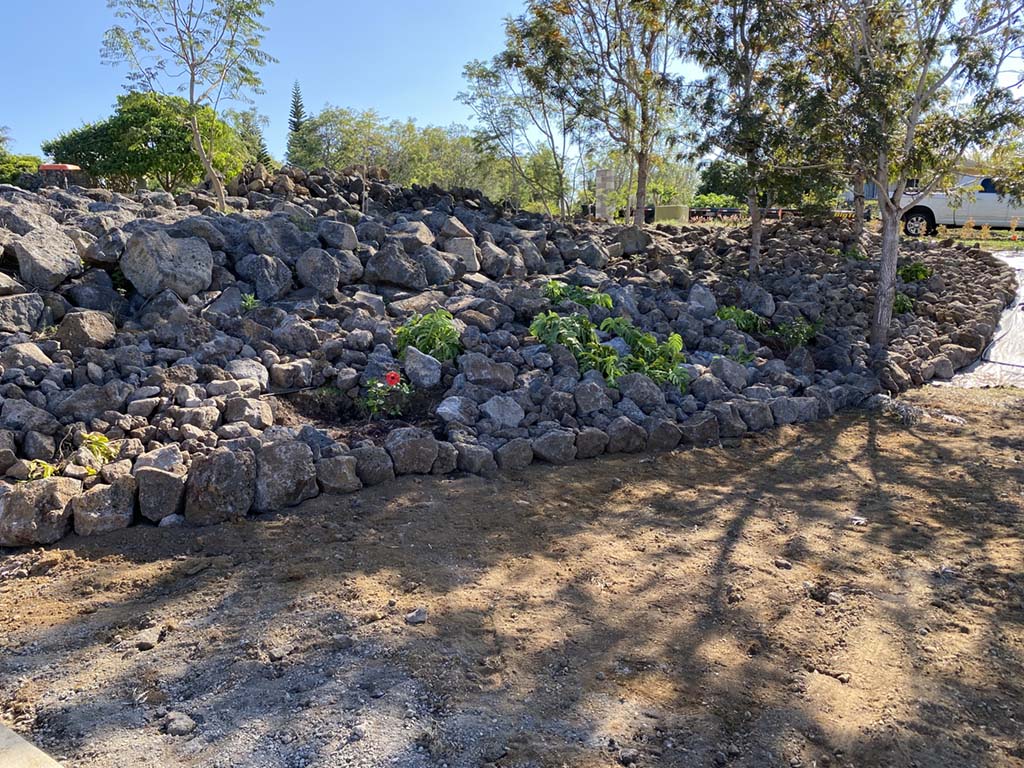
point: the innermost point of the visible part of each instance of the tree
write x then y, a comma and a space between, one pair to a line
614, 59
932, 81
148, 137
297, 115
249, 125
520, 121
302, 144
745, 103
209, 51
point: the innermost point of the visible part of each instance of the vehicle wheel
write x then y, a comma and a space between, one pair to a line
918, 222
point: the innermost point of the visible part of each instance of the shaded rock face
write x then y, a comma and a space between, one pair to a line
221, 486
37, 512
177, 334
155, 261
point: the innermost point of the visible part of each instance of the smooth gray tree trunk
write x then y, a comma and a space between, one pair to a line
885, 292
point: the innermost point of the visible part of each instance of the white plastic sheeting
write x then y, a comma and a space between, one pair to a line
1002, 364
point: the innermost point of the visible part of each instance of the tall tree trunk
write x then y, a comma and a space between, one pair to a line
755, 232
885, 292
211, 173
858, 205
643, 162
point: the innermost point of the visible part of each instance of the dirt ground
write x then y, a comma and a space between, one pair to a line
846, 594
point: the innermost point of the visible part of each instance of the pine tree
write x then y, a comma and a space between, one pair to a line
262, 153
297, 118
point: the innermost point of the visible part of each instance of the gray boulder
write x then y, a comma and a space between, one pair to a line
424, 371
555, 447
794, 410
337, 474
21, 312
277, 236
391, 266
161, 491
591, 442
476, 459
457, 409
285, 476
515, 454
317, 269
504, 411
85, 329
46, 258
732, 373
700, 430
642, 391
373, 465
105, 508
37, 512
413, 451
337, 234
221, 486
625, 436
154, 261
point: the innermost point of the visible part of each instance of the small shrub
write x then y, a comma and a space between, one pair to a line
746, 320
985, 232
40, 470
856, 253
661, 362
796, 333
902, 304
250, 302
389, 397
99, 446
432, 334
967, 230
914, 272
556, 292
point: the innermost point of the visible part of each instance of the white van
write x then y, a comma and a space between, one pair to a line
974, 197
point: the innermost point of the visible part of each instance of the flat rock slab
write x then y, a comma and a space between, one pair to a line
15, 752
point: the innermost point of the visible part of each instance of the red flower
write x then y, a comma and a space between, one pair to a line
392, 378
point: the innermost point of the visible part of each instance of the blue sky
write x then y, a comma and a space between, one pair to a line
403, 58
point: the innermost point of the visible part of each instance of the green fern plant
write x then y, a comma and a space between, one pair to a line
556, 292
902, 304
914, 272
746, 320
796, 333
432, 334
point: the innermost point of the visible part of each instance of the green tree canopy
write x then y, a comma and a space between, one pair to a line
149, 138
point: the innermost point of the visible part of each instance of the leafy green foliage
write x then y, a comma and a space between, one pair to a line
557, 292
746, 320
902, 304
40, 470
148, 137
716, 200
250, 302
914, 272
99, 446
12, 166
432, 334
389, 397
796, 333
661, 362
856, 253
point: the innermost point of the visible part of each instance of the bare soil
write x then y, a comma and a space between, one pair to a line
846, 594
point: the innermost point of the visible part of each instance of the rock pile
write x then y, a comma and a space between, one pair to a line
142, 340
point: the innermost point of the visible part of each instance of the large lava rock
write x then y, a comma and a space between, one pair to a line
37, 512
46, 258
155, 261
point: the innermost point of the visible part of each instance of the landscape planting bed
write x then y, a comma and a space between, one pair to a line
165, 364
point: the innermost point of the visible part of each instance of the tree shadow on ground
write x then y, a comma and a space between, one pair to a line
848, 593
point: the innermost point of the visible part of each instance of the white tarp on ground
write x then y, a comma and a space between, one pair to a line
1002, 364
